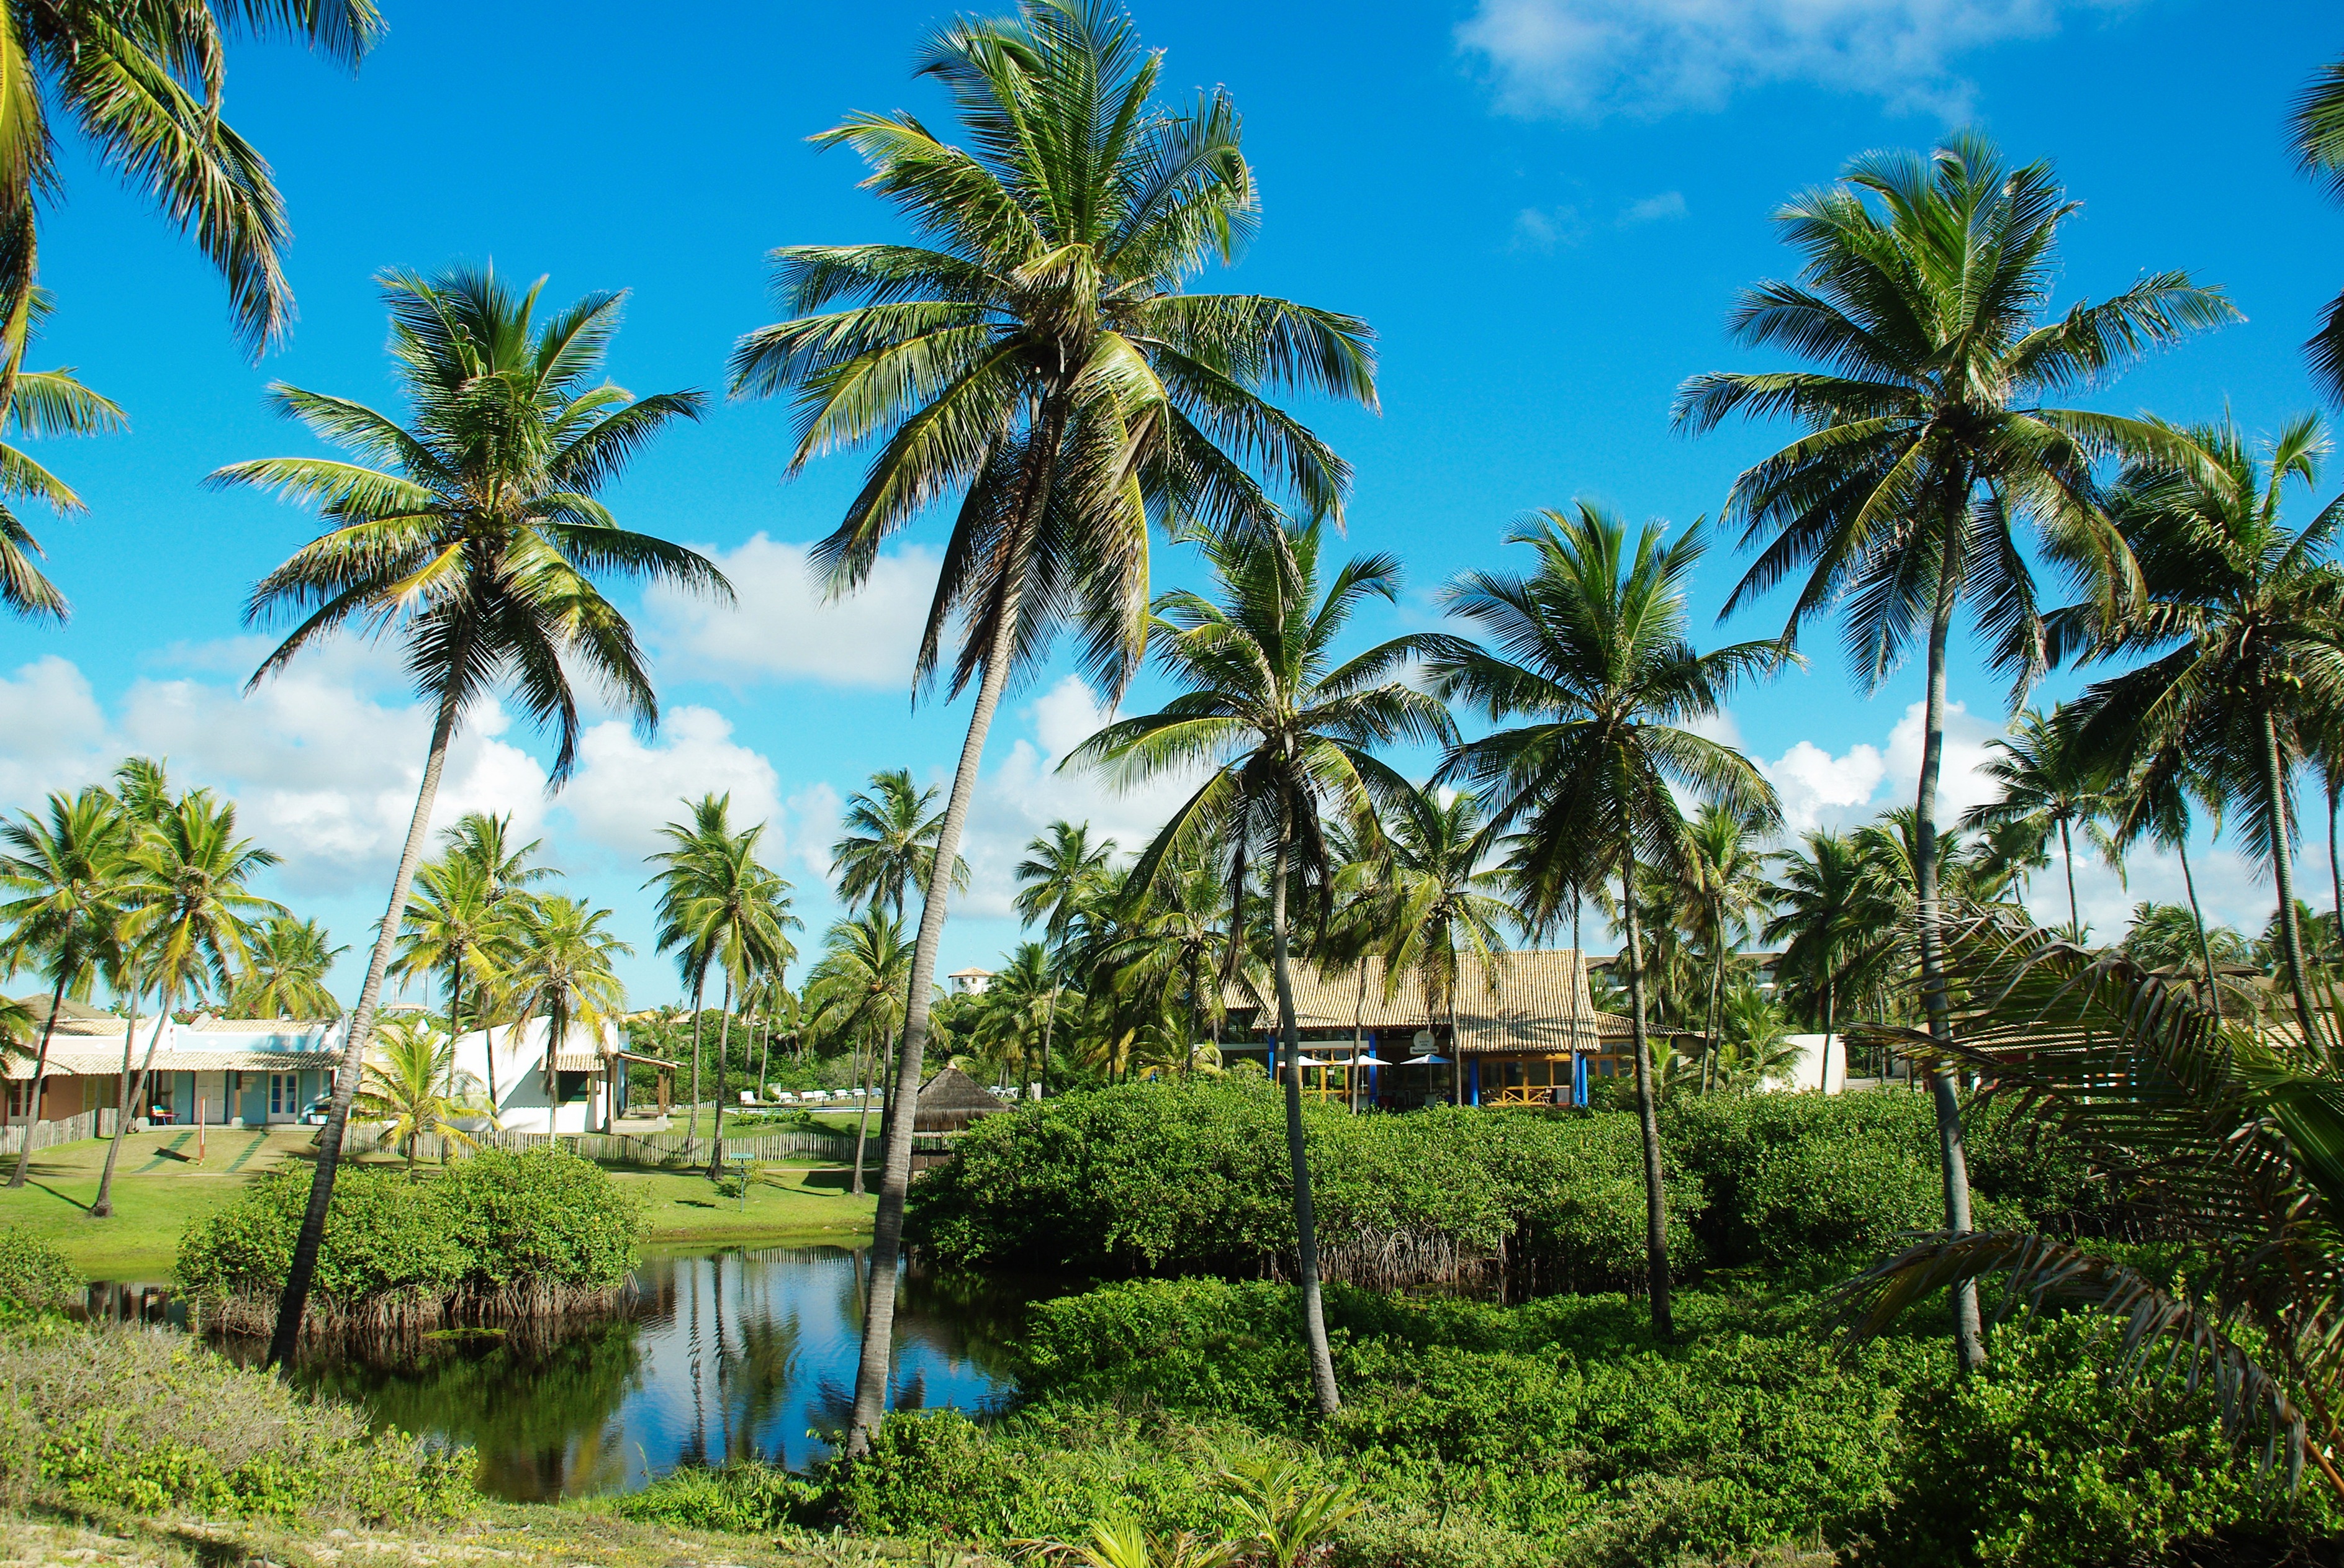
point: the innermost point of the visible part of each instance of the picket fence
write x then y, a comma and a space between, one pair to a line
64, 1129
677, 1149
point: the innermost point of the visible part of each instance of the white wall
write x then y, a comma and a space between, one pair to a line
1806, 1071
519, 1055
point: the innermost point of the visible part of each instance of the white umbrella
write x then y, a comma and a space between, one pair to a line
1371, 1060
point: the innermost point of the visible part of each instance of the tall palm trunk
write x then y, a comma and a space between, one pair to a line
895, 1159
1648, 1114
863, 1116
716, 1121
1306, 1227
691, 1117
1969, 1347
33, 1091
2335, 872
2197, 918
102, 1207
489, 1053
304, 1267
2291, 930
1822, 1075
2068, 854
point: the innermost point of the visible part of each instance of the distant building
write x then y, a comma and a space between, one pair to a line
970, 982
251, 1072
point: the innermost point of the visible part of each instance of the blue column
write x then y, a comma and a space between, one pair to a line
1473, 1083
1578, 1080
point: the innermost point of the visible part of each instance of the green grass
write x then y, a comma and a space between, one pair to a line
160, 1188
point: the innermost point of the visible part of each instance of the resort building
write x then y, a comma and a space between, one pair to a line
241, 1072
1520, 1031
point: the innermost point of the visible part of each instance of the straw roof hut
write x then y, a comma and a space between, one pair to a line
950, 1100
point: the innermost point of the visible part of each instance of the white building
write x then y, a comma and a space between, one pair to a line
970, 982
511, 1058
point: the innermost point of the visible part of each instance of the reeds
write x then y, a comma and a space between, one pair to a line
398, 1317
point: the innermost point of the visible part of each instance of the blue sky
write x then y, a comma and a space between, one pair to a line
1544, 207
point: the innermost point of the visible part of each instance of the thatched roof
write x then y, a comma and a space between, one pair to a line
1533, 1000
950, 1100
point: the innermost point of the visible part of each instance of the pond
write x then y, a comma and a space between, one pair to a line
730, 1355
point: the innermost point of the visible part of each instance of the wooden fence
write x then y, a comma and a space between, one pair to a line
64, 1129
679, 1151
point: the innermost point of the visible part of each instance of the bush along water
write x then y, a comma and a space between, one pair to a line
1475, 1435
496, 1238
146, 1420
1154, 1178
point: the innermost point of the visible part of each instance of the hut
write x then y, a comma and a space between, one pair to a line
950, 1100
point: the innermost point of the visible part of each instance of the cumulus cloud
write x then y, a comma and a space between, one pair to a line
1667, 206
1586, 59
52, 731
1819, 789
626, 788
781, 628
1545, 229
1025, 792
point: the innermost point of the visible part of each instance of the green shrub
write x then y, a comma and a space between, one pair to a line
495, 1223
34, 1274
744, 1499
149, 1420
2043, 1460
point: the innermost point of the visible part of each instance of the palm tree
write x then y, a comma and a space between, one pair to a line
1062, 874
144, 84
1927, 445
2049, 782
192, 923
2239, 615
406, 1087
2155, 799
41, 403
2230, 1130
858, 991
1754, 1040
1036, 348
720, 902
1286, 730
2318, 126
1591, 648
1437, 904
1174, 938
1722, 887
66, 909
890, 843
285, 972
1839, 935
562, 972
468, 918
476, 541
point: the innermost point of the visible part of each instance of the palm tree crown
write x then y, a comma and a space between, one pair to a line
285, 971
889, 844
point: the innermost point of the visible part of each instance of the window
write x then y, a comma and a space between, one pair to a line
18, 1094
284, 1094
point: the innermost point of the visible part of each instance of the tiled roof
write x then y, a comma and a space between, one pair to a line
82, 1061
1532, 1000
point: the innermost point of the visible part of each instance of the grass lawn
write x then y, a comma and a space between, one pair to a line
160, 1187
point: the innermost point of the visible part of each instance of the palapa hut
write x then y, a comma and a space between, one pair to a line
950, 1100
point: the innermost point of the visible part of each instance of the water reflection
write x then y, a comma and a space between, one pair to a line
724, 1356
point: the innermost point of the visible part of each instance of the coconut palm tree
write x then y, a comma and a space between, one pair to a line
66, 880
1721, 890
2051, 784
1034, 349
41, 403
2318, 124
2241, 622
857, 991
1839, 935
1930, 445
1591, 649
718, 902
889, 846
563, 971
474, 539
1286, 732
405, 1087
1437, 904
144, 84
1061, 875
192, 923
285, 972
2229, 1129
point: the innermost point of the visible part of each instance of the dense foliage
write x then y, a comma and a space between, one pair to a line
149, 1420
1174, 1178
535, 1231
32, 1274
1558, 1431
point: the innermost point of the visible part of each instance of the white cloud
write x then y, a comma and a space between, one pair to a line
53, 734
1667, 206
625, 788
781, 626
1025, 792
1585, 59
1960, 784
1817, 787
1545, 229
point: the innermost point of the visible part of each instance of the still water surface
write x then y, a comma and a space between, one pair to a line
732, 1355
